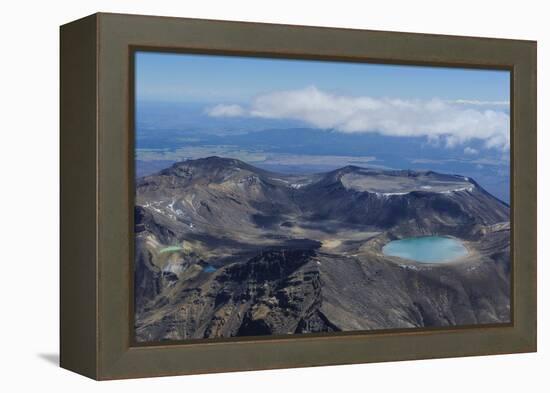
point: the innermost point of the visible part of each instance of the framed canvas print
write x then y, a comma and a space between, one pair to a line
240, 196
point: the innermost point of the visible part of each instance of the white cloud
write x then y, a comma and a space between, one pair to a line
470, 150
452, 123
223, 110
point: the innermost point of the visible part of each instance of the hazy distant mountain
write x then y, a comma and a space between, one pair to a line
224, 248
489, 167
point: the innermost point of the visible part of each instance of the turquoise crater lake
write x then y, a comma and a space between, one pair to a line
426, 249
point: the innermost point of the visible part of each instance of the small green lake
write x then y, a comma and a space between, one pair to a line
170, 249
426, 249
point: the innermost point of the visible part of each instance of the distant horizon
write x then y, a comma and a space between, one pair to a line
373, 168
453, 105
307, 115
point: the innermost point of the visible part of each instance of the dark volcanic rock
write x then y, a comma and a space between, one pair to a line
272, 293
454, 210
226, 249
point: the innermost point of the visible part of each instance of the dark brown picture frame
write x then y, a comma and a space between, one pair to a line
97, 195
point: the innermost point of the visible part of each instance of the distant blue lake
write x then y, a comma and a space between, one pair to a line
426, 249
209, 269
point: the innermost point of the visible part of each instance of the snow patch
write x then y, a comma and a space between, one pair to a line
468, 189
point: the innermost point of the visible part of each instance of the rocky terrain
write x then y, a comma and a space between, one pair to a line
226, 249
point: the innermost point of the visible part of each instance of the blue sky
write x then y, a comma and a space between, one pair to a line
173, 77
447, 105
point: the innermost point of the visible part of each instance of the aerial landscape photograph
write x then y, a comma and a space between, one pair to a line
288, 197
